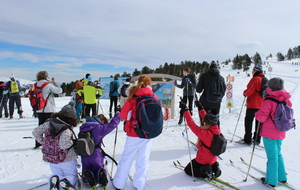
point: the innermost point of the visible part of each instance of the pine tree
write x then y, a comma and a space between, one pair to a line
256, 58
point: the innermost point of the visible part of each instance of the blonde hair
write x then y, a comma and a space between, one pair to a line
143, 81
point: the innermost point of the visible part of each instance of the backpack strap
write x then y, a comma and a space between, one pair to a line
274, 100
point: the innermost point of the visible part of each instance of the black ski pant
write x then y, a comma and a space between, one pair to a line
12, 101
190, 103
113, 101
42, 117
88, 108
250, 114
3, 102
200, 170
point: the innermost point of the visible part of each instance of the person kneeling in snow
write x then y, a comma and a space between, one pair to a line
93, 166
205, 164
55, 135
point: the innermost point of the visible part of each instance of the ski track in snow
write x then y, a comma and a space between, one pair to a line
23, 168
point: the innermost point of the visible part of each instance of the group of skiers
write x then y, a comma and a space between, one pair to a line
10, 92
58, 130
258, 93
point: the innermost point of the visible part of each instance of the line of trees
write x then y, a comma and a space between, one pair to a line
239, 62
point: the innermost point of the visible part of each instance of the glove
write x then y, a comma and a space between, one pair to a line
187, 80
98, 96
175, 83
199, 105
118, 109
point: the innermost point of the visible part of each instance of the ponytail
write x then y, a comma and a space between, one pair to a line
143, 81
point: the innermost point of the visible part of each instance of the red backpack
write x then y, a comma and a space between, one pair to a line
36, 97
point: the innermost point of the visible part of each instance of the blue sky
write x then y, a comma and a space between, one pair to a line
72, 38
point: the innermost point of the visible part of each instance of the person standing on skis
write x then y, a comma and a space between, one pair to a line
134, 146
188, 83
253, 103
272, 137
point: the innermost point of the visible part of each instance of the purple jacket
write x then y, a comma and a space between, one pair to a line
266, 114
95, 161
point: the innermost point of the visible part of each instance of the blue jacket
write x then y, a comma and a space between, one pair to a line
115, 93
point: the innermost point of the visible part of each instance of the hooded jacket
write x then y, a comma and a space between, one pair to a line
266, 114
188, 88
203, 85
99, 132
48, 91
254, 99
57, 127
204, 155
128, 112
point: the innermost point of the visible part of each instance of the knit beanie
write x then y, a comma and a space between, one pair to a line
212, 117
11, 76
258, 68
275, 83
69, 109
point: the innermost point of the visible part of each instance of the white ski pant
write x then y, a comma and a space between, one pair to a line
139, 147
66, 170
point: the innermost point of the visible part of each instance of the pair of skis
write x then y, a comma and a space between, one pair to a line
217, 182
286, 185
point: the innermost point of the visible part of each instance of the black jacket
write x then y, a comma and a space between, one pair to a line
188, 88
202, 85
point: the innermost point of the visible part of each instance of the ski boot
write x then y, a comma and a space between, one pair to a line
65, 184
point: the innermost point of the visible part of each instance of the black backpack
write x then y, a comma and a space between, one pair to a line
218, 145
85, 145
263, 85
123, 90
113, 87
216, 90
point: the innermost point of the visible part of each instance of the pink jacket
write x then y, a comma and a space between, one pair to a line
266, 114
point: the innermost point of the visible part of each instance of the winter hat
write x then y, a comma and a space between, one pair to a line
212, 117
213, 66
69, 109
258, 68
275, 83
11, 76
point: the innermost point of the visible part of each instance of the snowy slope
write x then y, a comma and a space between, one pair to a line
23, 168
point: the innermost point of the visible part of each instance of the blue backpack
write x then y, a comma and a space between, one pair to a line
149, 117
284, 116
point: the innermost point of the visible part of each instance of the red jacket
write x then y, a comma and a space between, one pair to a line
203, 156
128, 112
254, 100
78, 84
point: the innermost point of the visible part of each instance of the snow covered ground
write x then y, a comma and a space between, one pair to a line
23, 168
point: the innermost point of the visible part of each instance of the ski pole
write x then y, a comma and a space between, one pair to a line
114, 151
238, 119
258, 126
97, 108
187, 140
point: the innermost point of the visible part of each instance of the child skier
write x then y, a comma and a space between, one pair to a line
93, 166
55, 135
205, 164
272, 137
